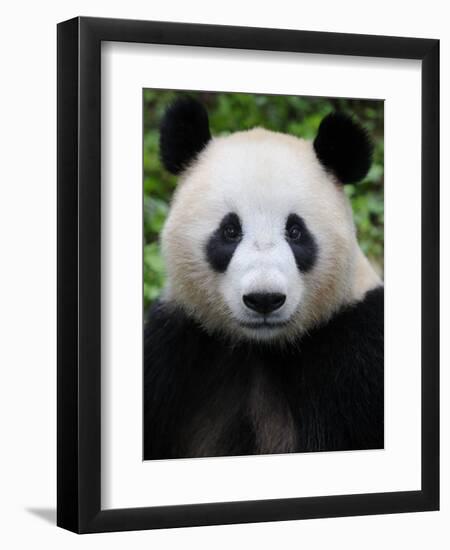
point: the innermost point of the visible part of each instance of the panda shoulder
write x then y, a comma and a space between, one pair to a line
359, 328
167, 326
364, 318
355, 333
369, 311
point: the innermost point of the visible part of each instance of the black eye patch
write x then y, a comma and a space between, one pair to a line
223, 242
302, 243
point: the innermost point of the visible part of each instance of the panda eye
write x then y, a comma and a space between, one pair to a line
231, 233
294, 233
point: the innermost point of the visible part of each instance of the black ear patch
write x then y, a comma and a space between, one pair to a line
184, 132
343, 147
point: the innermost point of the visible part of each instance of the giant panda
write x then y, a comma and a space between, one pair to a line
268, 337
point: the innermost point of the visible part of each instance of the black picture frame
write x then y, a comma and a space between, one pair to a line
79, 280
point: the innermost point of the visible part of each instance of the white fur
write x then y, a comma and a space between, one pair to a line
263, 177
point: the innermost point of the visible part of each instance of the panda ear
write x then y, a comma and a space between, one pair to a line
343, 147
184, 132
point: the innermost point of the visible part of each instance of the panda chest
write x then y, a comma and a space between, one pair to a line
247, 414
271, 417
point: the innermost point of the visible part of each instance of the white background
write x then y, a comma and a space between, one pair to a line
28, 274
126, 480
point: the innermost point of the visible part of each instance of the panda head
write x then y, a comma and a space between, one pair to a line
260, 242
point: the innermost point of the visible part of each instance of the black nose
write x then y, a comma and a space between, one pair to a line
264, 302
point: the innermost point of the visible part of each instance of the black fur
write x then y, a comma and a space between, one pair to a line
184, 133
206, 397
220, 250
343, 147
305, 249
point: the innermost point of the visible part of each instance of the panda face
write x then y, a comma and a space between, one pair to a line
261, 261
259, 242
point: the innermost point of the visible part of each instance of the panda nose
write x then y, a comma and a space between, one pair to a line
264, 302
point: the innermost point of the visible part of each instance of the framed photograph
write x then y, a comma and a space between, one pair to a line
248, 259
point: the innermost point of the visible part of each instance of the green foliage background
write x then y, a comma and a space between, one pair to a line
230, 112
